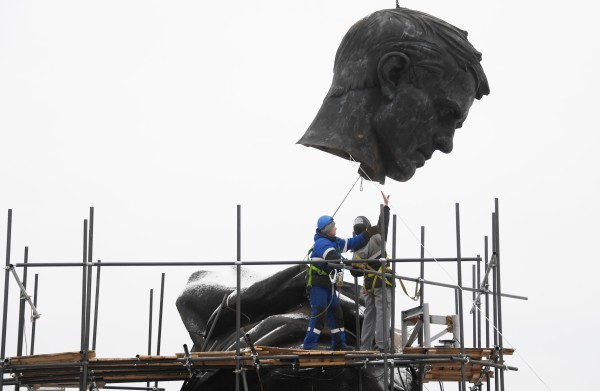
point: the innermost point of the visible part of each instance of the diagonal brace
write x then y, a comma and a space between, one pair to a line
24, 294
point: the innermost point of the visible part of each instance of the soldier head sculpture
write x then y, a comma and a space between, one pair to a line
403, 82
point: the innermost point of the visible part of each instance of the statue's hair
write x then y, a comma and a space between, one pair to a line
416, 34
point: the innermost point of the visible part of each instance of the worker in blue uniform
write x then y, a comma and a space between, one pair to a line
321, 281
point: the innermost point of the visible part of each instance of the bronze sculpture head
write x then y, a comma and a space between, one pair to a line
403, 81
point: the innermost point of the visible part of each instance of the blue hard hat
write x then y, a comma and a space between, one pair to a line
324, 221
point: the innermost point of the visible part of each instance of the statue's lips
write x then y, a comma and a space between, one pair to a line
420, 156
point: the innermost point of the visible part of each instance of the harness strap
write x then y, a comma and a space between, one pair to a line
320, 271
316, 269
375, 277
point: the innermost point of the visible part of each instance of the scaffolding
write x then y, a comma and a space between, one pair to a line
452, 361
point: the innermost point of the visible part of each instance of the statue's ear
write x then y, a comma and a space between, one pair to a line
390, 69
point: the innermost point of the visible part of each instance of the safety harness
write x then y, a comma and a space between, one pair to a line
388, 270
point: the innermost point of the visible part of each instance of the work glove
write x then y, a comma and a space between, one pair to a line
374, 230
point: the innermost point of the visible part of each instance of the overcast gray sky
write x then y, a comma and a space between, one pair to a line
164, 116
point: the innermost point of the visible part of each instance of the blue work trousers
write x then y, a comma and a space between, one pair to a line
324, 304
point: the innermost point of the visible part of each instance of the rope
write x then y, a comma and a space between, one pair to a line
328, 304
452, 278
338, 208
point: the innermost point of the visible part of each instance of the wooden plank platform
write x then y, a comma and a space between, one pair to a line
452, 372
64, 369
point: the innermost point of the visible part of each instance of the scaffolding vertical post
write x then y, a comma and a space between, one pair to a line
474, 297
88, 302
393, 304
22, 299
151, 302
499, 288
238, 307
422, 278
82, 385
357, 316
160, 317
150, 327
393, 299
358, 339
160, 312
386, 330
459, 291
478, 304
422, 305
97, 298
33, 321
83, 281
495, 299
5, 308
487, 305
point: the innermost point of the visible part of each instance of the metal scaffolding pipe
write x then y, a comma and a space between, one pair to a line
160, 312
495, 297
22, 298
474, 320
150, 306
357, 315
34, 320
393, 303
6, 282
459, 292
487, 306
499, 289
150, 327
422, 269
238, 308
441, 284
228, 263
478, 286
386, 331
96, 306
83, 281
88, 303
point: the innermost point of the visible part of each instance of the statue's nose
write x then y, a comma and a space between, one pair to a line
443, 142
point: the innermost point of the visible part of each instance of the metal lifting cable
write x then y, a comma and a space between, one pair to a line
450, 276
347, 194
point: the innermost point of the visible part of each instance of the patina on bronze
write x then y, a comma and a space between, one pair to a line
275, 311
403, 82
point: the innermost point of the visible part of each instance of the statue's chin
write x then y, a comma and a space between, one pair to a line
401, 171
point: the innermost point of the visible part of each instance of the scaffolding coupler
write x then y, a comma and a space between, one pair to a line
484, 283
255, 358
187, 364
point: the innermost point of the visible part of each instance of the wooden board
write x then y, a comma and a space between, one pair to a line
452, 372
64, 369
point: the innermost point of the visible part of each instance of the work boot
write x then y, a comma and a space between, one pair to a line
344, 348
